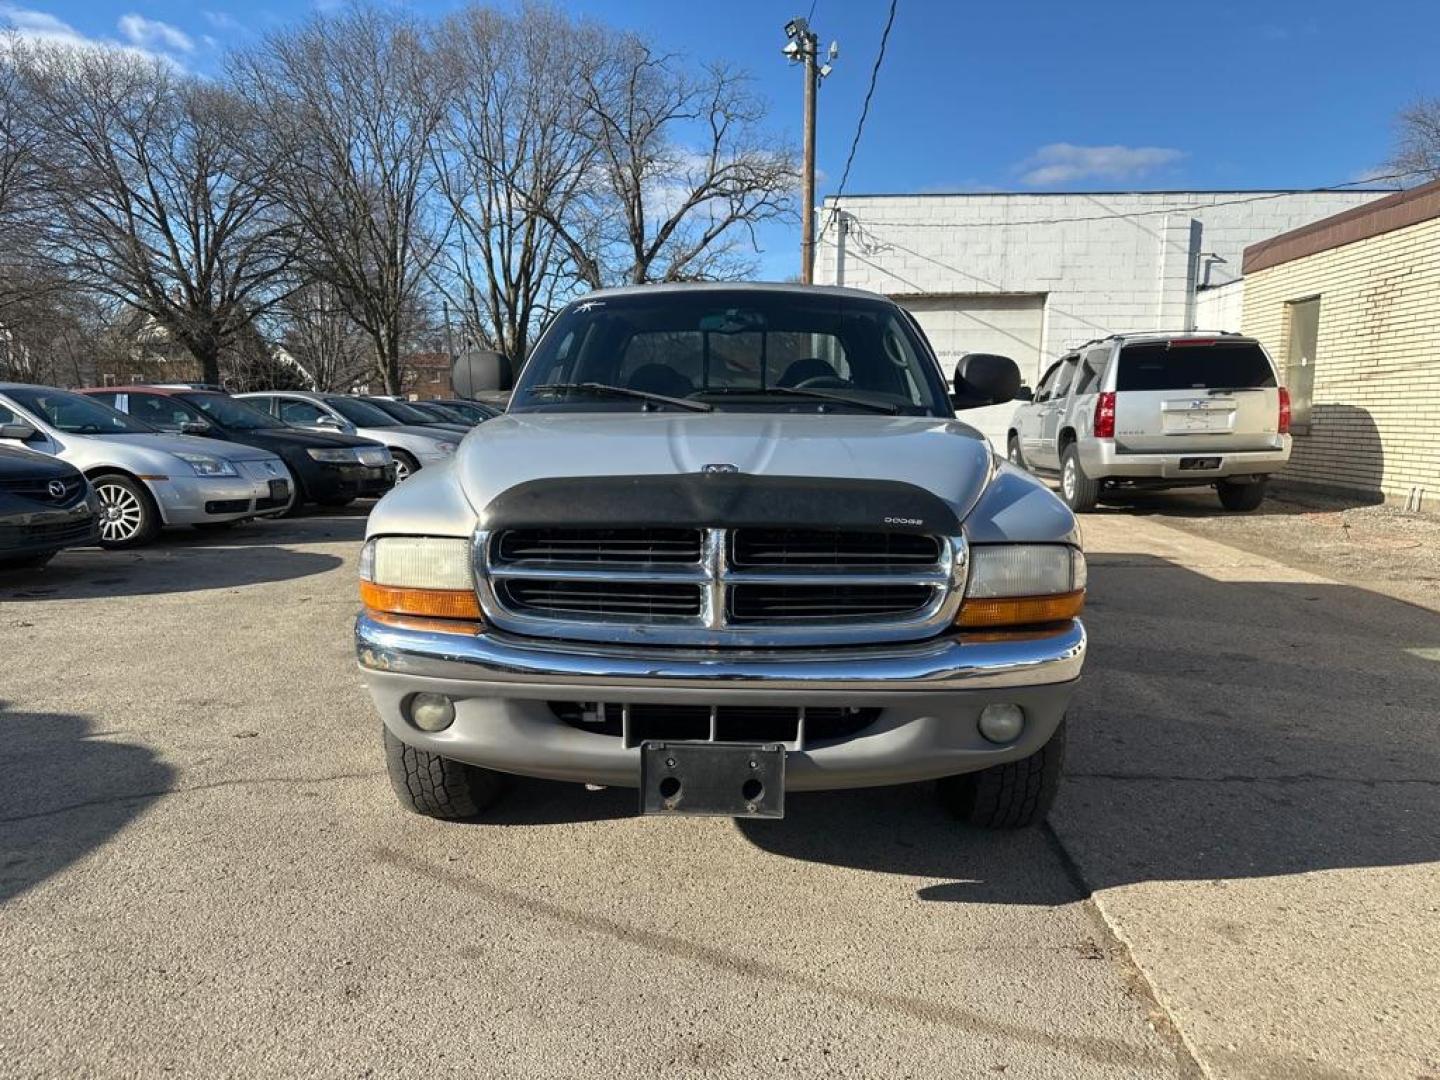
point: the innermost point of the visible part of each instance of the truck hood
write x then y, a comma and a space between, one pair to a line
944, 457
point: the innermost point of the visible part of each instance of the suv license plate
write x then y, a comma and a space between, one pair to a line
745, 780
1192, 464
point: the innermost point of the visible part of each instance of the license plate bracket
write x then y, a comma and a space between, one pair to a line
279, 489
742, 780
1198, 464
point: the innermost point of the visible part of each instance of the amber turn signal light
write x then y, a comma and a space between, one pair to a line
1020, 610
436, 603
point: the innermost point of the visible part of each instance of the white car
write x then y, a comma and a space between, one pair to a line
412, 446
143, 478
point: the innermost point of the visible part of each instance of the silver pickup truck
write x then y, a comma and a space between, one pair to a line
727, 541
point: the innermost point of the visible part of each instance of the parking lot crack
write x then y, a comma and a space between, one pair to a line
187, 789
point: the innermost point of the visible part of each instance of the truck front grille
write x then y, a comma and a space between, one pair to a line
637, 723
693, 586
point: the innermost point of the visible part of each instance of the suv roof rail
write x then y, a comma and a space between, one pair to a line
1149, 333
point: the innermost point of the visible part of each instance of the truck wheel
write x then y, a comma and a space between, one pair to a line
1013, 453
1078, 490
1015, 795
438, 787
1241, 496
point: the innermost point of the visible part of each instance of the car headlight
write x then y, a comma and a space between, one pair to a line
205, 465
334, 455
1023, 584
374, 456
419, 575
445, 447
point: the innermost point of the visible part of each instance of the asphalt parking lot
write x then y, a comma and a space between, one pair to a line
203, 872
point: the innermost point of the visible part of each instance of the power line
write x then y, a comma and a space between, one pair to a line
864, 112
876, 223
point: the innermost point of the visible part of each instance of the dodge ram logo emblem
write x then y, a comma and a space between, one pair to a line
56, 488
719, 468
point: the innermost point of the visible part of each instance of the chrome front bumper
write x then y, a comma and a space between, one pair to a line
929, 693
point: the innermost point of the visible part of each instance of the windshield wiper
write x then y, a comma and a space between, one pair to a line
625, 391
819, 395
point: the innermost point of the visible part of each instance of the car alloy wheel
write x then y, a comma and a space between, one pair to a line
121, 514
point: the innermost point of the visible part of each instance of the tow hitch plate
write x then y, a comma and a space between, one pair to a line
716, 779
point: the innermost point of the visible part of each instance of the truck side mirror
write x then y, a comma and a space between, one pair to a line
478, 371
985, 379
1024, 394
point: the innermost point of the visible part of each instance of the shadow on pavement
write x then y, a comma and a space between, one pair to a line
1222, 730
65, 791
91, 573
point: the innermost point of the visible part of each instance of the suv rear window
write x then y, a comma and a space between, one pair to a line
1222, 365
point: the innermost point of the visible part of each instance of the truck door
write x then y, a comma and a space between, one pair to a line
1029, 414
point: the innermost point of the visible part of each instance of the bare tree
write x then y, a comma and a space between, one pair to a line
1417, 144
350, 109
683, 173
317, 332
514, 141
153, 203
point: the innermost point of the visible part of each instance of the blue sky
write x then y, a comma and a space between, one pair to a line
1026, 95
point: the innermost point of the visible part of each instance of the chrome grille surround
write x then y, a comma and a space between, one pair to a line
715, 576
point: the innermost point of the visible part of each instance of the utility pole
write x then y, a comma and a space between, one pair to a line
803, 48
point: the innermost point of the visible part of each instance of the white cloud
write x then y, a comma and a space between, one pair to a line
221, 20
1065, 163
153, 34
28, 24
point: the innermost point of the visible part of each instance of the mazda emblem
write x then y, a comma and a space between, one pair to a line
56, 488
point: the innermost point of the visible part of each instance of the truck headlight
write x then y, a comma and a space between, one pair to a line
419, 575
205, 465
1022, 585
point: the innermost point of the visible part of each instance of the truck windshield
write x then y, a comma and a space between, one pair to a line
734, 349
1206, 365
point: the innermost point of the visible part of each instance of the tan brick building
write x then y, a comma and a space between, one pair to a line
1350, 309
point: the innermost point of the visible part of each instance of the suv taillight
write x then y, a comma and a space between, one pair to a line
1284, 411
1105, 415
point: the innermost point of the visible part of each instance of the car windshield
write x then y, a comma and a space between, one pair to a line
361, 413
76, 414
1194, 364
402, 412
472, 410
735, 349
229, 413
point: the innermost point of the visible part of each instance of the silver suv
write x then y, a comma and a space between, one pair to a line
1157, 410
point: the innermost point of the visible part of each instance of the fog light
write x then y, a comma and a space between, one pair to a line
432, 712
1002, 723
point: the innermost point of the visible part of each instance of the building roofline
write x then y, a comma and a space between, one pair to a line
1400, 210
1128, 191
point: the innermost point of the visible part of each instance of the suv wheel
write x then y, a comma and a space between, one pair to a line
1015, 795
1012, 451
1078, 490
128, 517
1241, 496
439, 787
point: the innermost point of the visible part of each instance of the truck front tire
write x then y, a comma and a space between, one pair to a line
439, 787
1015, 795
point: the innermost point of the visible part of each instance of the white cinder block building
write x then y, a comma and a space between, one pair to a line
1032, 275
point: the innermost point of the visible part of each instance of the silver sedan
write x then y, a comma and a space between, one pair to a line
143, 478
